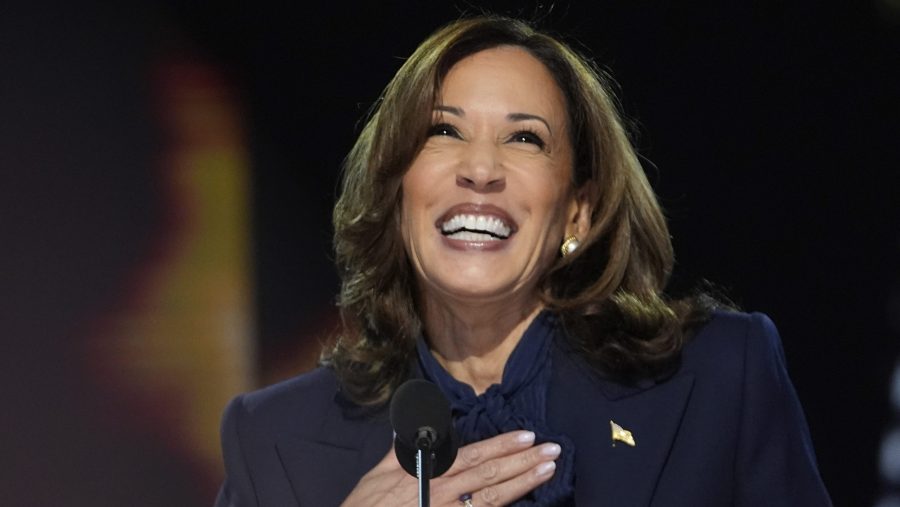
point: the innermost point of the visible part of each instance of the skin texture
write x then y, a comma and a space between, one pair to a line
500, 146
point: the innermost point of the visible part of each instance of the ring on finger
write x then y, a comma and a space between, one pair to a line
466, 499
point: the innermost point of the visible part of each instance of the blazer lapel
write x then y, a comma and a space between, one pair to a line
611, 472
653, 416
324, 467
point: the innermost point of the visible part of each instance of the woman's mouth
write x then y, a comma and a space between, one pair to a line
475, 228
476, 223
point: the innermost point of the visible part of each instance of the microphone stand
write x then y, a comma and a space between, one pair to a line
424, 466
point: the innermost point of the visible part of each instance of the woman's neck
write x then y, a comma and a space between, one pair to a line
472, 342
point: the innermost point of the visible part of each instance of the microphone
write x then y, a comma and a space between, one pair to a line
421, 419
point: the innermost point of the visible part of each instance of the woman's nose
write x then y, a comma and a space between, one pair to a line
481, 169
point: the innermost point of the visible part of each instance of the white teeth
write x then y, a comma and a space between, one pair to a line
483, 226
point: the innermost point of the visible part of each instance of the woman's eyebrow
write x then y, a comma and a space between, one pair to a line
456, 111
528, 116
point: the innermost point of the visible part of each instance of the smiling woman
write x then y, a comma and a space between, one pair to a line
496, 236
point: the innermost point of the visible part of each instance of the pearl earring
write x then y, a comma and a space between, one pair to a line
570, 244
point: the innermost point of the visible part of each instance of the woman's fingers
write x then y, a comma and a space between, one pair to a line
506, 467
502, 445
498, 472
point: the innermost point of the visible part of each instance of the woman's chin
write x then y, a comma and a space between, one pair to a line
480, 290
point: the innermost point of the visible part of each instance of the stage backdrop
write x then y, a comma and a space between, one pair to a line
167, 173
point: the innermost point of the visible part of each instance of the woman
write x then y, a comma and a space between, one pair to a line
496, 235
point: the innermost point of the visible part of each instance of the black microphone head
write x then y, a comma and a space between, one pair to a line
419, 405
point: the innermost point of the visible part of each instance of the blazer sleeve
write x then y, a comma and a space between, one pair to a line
237, 490
775, 462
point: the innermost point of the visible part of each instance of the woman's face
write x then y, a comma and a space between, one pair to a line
488, 200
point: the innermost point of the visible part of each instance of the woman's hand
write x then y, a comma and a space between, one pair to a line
496, 471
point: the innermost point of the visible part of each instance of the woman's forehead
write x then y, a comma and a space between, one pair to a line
504, 75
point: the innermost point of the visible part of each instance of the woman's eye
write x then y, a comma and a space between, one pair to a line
528, 137
443, 129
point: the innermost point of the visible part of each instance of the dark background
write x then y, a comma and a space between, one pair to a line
769, 131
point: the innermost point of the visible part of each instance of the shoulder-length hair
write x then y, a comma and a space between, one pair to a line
609, 292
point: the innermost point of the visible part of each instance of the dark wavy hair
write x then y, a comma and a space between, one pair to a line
609, 292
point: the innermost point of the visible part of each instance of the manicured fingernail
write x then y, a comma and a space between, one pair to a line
551, 450
525, 437
546, 468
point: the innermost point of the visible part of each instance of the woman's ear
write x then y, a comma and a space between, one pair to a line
580, 211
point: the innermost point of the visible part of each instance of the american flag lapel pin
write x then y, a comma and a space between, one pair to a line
620, 434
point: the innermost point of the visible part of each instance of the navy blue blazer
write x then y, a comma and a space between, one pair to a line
726, 429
